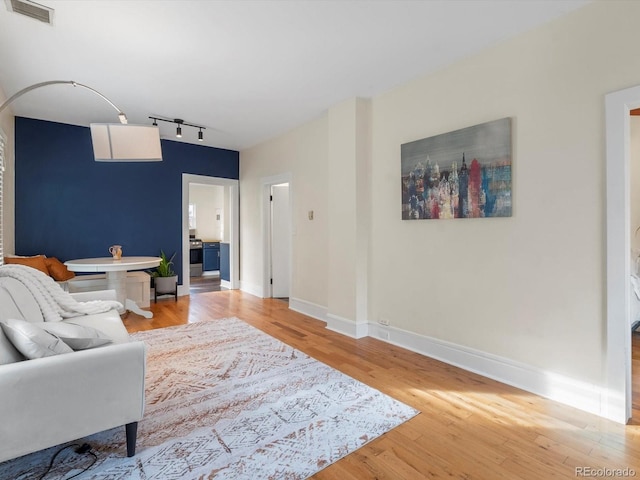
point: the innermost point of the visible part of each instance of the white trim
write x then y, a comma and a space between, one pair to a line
617, 402
585, 396
266, 183
225, 284
347, 327
582, 395
3, 144
251, 289
309, 309
234, 225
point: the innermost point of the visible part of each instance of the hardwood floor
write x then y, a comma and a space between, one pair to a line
204, 284
470, 427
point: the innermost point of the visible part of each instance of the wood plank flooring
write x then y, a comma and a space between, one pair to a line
470, 427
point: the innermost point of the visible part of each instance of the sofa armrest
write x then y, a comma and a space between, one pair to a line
95, 295
56, 399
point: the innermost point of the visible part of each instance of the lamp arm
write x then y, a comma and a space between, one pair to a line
121, 115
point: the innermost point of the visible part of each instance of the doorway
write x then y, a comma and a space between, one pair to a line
617, 397
230, 229
280, 241
277, 235
634, 180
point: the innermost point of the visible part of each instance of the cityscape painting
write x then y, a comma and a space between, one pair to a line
461, 174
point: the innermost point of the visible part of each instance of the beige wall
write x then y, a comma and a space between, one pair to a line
348, 160
529, 288
7, 126
208, 200
303, 154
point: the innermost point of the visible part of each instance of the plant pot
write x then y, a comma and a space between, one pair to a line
166, 284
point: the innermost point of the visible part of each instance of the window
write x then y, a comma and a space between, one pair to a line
192, 216
2, 144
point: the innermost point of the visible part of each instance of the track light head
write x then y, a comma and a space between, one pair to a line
200, 136
179, 132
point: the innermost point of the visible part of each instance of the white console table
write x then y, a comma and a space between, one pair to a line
116, 271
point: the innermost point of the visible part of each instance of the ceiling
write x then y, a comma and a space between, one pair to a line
246, 70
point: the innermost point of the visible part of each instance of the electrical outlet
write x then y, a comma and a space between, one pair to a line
384, 321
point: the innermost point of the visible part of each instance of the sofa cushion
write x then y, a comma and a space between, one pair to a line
8, 353
8, 308
78, 337
36, 262
32, 341
58, 270
108, 323
17, 302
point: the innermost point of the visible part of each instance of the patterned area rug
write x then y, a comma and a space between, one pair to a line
225, 400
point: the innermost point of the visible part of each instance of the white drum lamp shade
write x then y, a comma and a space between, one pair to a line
114, 142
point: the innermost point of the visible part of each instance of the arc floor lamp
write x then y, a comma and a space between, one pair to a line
112, 142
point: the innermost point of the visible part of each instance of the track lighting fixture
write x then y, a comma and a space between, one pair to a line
180, 123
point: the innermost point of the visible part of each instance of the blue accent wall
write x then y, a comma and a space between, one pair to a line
69, 206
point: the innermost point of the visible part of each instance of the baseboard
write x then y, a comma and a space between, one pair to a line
225, 284
347, 327
309, 309
584, 396
334, 322
251, 289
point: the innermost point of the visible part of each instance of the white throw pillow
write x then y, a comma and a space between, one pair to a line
32, 341
78, 337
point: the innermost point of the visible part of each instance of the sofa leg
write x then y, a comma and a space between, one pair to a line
132, 433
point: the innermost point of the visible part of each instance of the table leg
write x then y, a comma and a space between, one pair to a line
133, 307
117, 280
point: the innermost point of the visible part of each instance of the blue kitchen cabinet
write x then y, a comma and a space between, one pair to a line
224, 262
210, 256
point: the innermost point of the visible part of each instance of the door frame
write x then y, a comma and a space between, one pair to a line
234, 226
617, 403
266, 183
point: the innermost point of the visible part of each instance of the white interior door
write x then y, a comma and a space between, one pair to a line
280, 241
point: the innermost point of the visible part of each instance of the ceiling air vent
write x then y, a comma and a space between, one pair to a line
31, 9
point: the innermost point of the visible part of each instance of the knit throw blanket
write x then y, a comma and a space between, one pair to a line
55, 304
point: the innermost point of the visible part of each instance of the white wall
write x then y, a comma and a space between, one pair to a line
529, 288
7, 126
303, 153
526, 293
208, 199
349, 139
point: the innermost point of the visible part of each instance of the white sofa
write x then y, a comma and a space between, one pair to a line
52, 400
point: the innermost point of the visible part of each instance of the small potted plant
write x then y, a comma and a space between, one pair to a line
164, 278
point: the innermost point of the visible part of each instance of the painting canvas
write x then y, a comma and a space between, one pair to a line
460, 174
